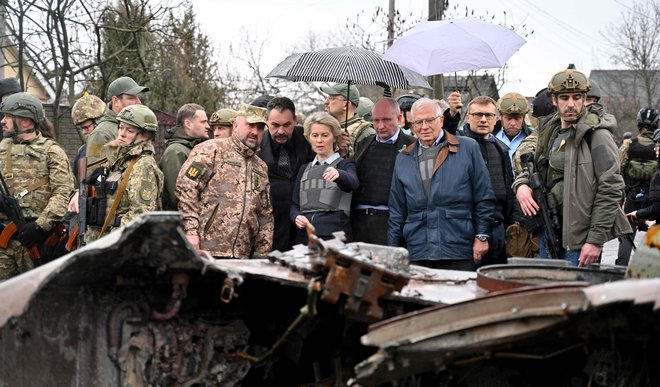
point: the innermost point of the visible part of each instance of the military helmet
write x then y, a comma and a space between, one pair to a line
656, 136
407, 100
23, 105
88, 107
647, 117
594, 90
9, 86
139, 116
568, 81
223, 117
513, 103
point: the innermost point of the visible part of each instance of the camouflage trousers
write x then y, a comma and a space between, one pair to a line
14, 260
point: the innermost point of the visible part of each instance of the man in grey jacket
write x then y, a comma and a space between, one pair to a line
577, 159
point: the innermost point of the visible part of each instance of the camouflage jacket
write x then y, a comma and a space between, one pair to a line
38, 173
104, 132
358, 129
223, 192
176, 152
145, 182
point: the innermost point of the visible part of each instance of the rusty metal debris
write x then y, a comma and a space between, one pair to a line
495, 278
362, 273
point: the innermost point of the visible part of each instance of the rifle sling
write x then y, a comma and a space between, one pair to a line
120, 194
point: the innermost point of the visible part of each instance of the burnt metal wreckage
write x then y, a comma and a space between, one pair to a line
140, 307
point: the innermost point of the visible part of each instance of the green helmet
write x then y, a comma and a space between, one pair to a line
223, 117
594, 90
88, 107
139, 116
23, 105
568, 81
513, 103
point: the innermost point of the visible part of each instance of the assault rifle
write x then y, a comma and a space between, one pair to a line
9, 205
548, 204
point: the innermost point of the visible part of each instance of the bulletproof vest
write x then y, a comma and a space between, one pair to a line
556, 160
375, 174
496, 170
642, 164
317, 194
25, 168
99, 205
427, 158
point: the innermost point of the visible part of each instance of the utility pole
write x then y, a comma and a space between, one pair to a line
390, 24
436, 11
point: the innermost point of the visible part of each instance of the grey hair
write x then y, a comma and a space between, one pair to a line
425, 101
322, 118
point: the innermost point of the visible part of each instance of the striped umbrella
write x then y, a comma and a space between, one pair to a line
347, 65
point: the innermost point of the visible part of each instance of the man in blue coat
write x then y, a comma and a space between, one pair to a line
441, 199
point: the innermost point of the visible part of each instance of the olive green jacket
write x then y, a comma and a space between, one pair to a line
593, 185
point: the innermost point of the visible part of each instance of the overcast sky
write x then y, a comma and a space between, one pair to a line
565, 31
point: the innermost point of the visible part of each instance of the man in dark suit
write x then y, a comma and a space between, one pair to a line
284, 149
375, 156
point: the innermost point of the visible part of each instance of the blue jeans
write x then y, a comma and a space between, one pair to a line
573, 256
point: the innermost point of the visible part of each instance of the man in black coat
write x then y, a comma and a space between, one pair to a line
481, 117
284, 149
375, 157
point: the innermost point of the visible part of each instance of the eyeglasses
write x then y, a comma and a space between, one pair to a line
427, 121
489, 116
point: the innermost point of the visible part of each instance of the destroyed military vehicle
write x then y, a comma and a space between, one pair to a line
139, 307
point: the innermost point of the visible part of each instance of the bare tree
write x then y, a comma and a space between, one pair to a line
635, 39
62, 40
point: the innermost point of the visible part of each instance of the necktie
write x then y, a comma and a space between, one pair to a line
283, 163
389, 141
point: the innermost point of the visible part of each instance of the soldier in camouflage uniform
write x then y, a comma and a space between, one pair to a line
37, 173
223, 192
123, 91
343, 109
129, 170
221, 123
85, 113
192, 128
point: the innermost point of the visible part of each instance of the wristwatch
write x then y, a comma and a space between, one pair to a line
482, 237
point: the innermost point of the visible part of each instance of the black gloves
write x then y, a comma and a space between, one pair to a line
100, 171
31, 234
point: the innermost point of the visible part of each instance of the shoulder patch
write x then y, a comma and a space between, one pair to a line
194, 171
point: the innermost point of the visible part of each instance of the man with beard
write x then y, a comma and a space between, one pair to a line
284, 149
512, 129
223, 192
578, 161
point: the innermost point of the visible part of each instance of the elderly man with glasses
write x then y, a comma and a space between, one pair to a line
441, 200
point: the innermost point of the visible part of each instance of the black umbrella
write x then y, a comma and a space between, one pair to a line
347, 65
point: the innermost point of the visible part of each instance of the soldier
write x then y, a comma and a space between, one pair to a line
123, 91
638, 164
192, 128
512, 129
341, 103
9, 86
578, 161
129, 181
84, 114
221, 123
37, 174
223, 192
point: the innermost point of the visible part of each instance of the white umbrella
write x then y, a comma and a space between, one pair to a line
445, 46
